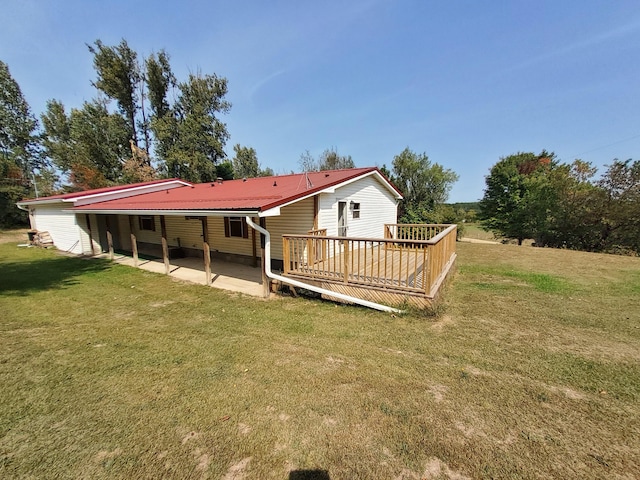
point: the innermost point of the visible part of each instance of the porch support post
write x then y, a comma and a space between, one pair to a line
165, 246
109, 237
93, 251
266, 290
134, 242
206, 250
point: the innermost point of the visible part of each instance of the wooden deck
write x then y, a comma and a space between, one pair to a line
389, 270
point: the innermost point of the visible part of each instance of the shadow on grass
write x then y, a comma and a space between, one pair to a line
309, 475
22, 278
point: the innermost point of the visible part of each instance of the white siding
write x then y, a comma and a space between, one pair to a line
61, 225
296, 218
377, 207
81, 218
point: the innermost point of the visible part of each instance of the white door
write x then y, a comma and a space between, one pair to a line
342, 219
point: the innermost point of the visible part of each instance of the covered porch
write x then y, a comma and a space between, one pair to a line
194, 248
225, 275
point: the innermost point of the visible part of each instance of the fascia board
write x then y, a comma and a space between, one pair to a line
198, 213
106, 196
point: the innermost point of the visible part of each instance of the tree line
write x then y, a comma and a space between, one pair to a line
564, 205
143, 123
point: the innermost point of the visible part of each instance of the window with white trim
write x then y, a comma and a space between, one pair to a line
236, 227
355, 210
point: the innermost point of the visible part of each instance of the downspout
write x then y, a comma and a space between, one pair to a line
313, 288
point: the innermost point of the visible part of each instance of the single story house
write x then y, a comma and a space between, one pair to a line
176, 218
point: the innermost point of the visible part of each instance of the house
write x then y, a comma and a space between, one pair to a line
301, 213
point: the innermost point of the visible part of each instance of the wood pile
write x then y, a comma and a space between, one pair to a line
42, 239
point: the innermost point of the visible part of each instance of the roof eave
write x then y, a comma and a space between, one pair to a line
195, 213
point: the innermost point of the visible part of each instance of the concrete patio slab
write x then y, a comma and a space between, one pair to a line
224, 275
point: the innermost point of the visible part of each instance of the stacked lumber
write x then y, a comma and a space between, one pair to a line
43, 239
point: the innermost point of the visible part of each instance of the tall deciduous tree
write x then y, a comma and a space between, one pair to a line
160, 81
18, 148
245, 162
518, 196
197, 134
424, 185
330, 159
18, 143
90, 144
119, 78
621, 206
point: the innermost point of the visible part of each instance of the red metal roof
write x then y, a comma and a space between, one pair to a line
97, 191
255, 194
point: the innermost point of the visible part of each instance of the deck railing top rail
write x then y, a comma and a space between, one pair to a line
416, 232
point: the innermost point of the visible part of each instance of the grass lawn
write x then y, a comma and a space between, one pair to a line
531, 370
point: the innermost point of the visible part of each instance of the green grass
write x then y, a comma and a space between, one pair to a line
531, 371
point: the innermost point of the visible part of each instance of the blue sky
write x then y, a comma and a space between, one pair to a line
466, 82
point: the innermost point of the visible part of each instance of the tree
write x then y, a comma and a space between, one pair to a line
573, 220
56, 135
197, 136
90, 144
18, 142
245, 162
306, 162
621, 206
518, 196
160, 80
424, 185
267, 172
331, 160
119, 78
18, 148
328, 160
224, 170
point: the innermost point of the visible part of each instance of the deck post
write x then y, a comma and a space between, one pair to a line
285, 254
109, 238
134, 242
206, 250
165, 246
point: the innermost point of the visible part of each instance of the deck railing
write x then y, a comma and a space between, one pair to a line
412, 231
414, 264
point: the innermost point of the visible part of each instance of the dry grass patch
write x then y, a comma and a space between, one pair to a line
112, 372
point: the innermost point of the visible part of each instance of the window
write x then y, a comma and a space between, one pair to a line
235, 227
147, 222
356, 210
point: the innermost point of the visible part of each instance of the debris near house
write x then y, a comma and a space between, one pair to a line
41, 239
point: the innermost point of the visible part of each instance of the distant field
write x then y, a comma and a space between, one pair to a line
530, 370
473, 230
